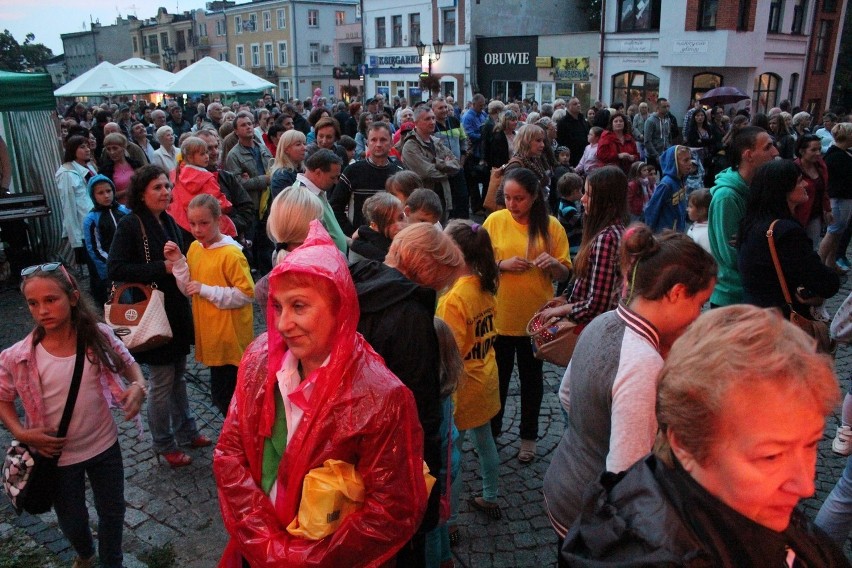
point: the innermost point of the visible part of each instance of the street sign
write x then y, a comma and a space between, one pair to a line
362, 70
424, 75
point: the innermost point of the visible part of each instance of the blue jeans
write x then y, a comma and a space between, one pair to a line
168, 407
489, 462
106, 476
835, 515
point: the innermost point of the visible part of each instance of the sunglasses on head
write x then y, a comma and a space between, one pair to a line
47, 267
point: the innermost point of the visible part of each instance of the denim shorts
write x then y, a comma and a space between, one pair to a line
841, 210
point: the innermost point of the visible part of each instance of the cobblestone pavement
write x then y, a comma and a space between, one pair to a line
180, 507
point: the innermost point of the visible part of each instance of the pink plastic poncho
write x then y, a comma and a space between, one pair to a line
195, 181
359, 412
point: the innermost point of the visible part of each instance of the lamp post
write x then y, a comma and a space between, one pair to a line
169, 57
437, 46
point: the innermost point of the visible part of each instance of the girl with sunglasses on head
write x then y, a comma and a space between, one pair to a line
38, 369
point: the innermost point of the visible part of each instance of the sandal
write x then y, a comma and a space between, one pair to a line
455, 535
490, 508
527, 451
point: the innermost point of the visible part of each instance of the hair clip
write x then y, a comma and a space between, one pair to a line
475, 227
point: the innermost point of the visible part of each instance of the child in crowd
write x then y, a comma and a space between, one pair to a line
402, 184
384, 214
191, 178
589, 162
438, 552
570, 189
424, 206
98, 231
696, 209
216, 275
469, 309
348, 144
563, 166
637, 195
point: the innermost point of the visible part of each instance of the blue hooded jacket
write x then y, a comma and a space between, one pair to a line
667, 206
99, 226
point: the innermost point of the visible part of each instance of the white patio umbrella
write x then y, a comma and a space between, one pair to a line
149, 72
210, 76
105, 80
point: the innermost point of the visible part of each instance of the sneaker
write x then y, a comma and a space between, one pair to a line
527, 451
843, 264
842, 443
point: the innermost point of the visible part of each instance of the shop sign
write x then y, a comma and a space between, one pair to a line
571, 69
389, 60
684, 46
635, 45
634, 60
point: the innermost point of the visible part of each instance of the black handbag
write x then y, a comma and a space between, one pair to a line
31, 480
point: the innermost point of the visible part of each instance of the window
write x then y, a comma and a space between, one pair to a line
267, 21
800, 10
135, 45
164, 39
220, 27
765, 92
448, 24
633, 87
255, 55
282, 19
829, 6
339, 18
314, 48
241, 56
152, 44
313, 18
776, 9
821, 55
252, 23
413, 29
703, 82
223, 56
707, 14
202, 30
269, 56
238, 24
744, 16
282, 54
396, 31
180, 40
381, 33
284, 90
638, 15
794, 86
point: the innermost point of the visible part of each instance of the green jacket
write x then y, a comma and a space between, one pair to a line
727, 209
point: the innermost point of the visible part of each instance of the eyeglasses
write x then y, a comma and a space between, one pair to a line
47, 267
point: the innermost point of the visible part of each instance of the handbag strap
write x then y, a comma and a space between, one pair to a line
75, 387
770, 235
145, 241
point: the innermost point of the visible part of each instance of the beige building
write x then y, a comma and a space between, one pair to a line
166, 39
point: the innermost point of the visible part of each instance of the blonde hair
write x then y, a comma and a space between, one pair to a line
736, 346
115, 138
191, 146
842, 132
426, 256
524, 137
282, 160
290, 215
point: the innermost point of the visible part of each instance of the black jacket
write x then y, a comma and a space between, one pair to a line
126, 263
242, 210
397, 320
370, 245
800, 264
839, 163
573, 133
652, 515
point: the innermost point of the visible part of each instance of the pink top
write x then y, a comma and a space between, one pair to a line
19, 377
121, 178
92, 429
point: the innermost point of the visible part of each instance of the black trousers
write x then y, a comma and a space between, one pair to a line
532, 383
223, 381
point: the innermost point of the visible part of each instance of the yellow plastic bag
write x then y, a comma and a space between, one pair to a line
329, 494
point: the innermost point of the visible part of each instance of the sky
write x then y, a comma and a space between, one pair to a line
47, 19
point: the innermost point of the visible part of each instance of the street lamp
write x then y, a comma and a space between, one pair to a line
437, 46
169, 57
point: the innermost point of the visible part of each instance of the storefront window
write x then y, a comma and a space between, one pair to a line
703, 82
765, 92
634, 87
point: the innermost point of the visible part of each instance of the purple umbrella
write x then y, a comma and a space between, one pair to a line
723, 96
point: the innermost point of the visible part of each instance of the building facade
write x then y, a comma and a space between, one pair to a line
349, 58
211, 31
392, 31
85, 50
166, 39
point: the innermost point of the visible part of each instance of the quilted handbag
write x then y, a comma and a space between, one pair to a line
141, 325
553, 342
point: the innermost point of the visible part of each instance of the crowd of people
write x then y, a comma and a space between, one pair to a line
396, 318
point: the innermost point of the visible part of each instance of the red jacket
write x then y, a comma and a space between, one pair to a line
192, 181
359, 412
609, 148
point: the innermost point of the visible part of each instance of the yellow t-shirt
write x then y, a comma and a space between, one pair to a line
221, 335
521, 294
469, 312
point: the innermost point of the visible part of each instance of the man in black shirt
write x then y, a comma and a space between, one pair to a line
573, 130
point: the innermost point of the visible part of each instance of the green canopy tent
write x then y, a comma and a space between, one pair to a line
26, 125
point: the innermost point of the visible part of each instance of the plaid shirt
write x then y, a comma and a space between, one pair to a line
598, 290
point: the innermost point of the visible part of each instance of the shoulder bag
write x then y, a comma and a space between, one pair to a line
816, 329
142, 325
30, 479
